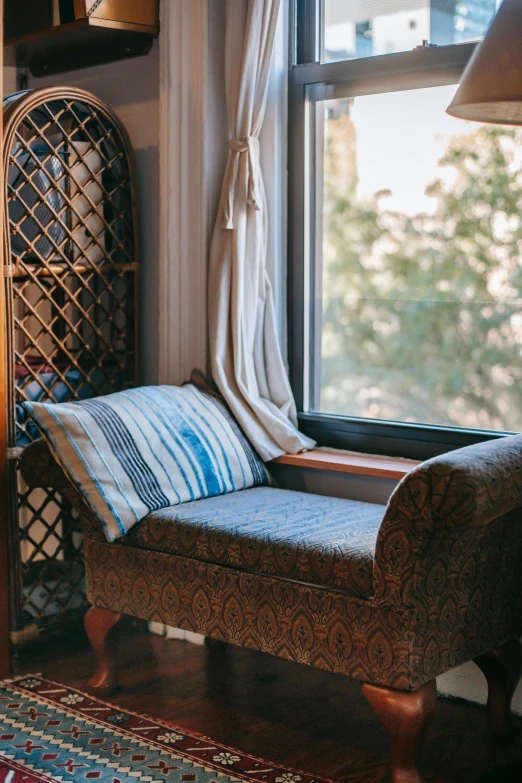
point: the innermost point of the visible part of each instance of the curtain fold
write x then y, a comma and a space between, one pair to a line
246, 359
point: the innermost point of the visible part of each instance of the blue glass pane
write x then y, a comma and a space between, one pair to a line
362, 28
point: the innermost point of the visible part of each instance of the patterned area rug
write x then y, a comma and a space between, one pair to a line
50, 732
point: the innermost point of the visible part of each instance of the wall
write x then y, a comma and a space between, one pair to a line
131, 89
193, 153
216, 107
9, 80
273, 151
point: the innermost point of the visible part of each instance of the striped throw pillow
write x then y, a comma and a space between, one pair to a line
136, 451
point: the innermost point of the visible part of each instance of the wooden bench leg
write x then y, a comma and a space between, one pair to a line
98, 623
216, 645
405, 716
502, 669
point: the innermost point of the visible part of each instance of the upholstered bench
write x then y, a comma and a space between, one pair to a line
392, 596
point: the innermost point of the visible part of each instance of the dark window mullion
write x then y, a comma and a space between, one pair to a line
386, 66
389, 438
308, 31
316, 253
296, 242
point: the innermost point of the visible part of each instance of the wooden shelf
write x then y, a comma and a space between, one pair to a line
79, 44
349, 462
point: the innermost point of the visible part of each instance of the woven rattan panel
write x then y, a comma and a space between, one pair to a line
71, 304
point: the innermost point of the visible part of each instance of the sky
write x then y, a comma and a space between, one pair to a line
401, 136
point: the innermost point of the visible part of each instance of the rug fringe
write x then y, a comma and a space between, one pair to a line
18, 677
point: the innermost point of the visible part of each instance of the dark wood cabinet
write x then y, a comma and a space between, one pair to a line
25, 17
53, 36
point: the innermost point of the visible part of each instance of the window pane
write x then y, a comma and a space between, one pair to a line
362, 28
420, 317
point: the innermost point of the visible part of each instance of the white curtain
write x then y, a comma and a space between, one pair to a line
246, 359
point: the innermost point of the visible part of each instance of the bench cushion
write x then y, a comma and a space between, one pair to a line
319, 540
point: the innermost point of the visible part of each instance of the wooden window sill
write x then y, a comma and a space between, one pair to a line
349, 462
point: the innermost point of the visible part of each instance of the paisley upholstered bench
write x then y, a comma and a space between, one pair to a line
392, 596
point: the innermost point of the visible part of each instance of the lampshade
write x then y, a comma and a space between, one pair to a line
491, 87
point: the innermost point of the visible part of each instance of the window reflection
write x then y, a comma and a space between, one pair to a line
362, 28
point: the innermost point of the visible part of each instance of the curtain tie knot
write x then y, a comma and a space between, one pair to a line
238, 147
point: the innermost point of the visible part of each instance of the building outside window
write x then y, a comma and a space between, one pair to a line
472, 18
399, 25
363, 39
406, 263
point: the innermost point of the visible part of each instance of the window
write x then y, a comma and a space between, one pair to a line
400, 25
406, 233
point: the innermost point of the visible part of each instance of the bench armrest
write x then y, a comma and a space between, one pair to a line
40, 469
470, 486
463, 490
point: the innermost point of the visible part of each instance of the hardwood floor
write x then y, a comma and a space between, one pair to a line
273, 708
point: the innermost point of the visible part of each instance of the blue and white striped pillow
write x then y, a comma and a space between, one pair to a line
136, 451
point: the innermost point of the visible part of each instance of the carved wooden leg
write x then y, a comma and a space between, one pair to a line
98, 623
405, 716
502, 669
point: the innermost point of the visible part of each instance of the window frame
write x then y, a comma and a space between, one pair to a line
418, 68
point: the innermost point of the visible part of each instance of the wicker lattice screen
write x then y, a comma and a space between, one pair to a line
70, 277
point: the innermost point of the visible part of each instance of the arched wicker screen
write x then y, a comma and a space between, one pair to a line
70, 281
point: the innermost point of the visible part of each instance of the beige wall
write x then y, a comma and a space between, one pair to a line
9, 80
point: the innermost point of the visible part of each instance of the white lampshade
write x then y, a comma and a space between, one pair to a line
491, 87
